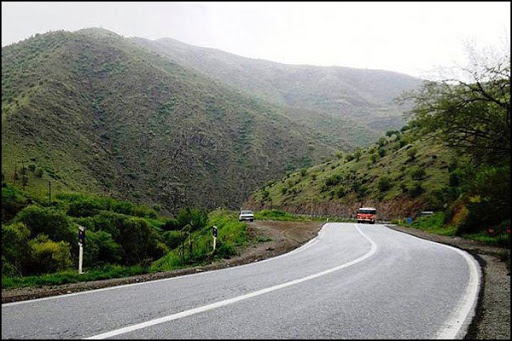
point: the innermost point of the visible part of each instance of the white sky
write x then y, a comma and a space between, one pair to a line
409, 37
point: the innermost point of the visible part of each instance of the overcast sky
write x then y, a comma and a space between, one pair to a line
415, 38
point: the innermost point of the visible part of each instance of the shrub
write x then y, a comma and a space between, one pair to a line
84, 208
14, 248
171, 224
381, 152
341, 192
39, 172
384, 184
416, 190
101, 249
333, 180
139, 241
123, 207
273, 215
196, 218
49, 221
172, 239
411, 153
47, 256
418, 173
12, 202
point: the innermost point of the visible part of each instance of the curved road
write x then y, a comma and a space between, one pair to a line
352, 281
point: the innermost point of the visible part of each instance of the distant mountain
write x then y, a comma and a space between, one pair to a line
360, 97
92, 111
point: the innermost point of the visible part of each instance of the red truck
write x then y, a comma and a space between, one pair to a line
366, 215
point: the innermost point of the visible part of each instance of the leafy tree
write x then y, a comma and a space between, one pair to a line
489, 201
140, 241
84, 208
123, 207
471, 114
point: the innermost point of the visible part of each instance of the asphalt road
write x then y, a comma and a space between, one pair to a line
352, 281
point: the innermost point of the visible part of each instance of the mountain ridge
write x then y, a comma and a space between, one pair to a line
97, 113
349, 93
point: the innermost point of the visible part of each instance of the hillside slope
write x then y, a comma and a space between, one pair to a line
359, 97
89, 111
400, 175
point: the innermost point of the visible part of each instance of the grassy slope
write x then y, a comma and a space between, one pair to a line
341, 185
99, 114
342, 101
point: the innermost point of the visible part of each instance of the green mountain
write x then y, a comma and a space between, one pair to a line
400, 175
97, 114
359, 97
91, 111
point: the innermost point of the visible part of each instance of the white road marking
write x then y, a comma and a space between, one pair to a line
197, 310
299, 249
458, 323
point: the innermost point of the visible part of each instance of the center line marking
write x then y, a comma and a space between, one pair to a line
198, 310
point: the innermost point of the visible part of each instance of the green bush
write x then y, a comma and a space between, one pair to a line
15, 250
100, 249
47, 256
273, 215
49, 221
418, 173
172, 239
333, 180
384, 184
341, 192
171, 224
84, 208
12, 202
416, 190
139, 241
123, 207
196, 218
225, 250
492, 205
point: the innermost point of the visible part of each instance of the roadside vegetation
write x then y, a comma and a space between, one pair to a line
452, 158
40, 240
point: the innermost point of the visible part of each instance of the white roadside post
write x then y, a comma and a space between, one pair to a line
81, 242
214, 237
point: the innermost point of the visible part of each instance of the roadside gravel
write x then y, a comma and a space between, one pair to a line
492, 320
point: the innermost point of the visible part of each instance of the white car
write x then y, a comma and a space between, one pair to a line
246, 215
